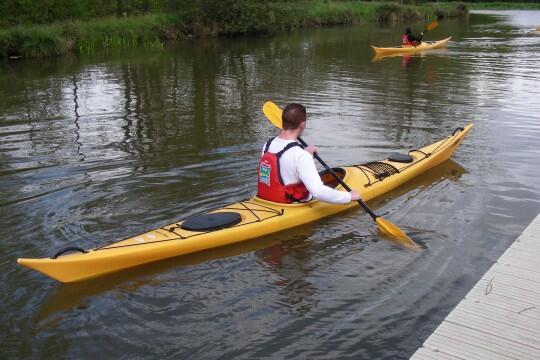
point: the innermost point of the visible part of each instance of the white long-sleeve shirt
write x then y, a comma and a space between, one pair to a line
297, 165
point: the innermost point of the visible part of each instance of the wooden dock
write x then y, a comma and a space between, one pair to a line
500, 317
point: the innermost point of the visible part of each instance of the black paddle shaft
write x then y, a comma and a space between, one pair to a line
341, 182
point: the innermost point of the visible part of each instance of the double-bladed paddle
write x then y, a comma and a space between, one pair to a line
274, 114
432, 25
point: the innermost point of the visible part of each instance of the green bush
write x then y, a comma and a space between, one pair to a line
32, 41
24, 12
392, 12
200, 18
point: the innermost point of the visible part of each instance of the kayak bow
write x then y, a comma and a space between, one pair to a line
248, 219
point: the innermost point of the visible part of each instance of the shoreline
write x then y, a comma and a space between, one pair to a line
504, 6
155, 30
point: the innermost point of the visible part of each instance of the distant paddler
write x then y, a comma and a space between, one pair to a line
408, 39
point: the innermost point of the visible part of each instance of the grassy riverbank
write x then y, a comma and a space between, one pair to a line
504, 6
217, 18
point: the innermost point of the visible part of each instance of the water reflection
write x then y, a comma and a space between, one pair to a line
93, 149
292, 263
69, 296
77, 117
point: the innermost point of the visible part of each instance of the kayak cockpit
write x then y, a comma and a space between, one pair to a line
329, 180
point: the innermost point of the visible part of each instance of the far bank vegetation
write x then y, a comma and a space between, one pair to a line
35, 29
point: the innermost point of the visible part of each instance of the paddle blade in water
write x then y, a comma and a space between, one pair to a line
396, 233
273, 113
432, 26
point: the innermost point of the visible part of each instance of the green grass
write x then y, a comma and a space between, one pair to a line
113, 33
34, 41
87, 37
227, 17
504, 6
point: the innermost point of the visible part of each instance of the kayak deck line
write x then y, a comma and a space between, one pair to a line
381, 170
172, 228
257, 217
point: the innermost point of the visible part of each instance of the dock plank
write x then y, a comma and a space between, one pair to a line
500, 316
487, 341
516, 334
460, 349
508, 290
505, 302
429, 354
511, 270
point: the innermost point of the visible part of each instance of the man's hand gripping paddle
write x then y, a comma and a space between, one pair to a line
273, 113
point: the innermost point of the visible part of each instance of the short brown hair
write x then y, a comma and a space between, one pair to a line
293, 115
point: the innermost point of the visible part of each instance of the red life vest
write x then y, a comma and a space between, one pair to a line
270, 185
405, 41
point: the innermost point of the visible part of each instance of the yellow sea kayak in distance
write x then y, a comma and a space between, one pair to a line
410, 49
243, 220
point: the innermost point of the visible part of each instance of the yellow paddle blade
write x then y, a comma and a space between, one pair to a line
393, 231
432, 26
273, 113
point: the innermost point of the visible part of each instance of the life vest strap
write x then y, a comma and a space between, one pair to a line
278, 154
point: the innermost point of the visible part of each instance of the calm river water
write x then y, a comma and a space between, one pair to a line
97, 148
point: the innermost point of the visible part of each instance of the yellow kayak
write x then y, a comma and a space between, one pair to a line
410, 49
243, 220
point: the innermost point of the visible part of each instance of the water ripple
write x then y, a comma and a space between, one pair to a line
100, 148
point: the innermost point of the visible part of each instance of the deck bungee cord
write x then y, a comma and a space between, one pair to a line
381, 170
178, 225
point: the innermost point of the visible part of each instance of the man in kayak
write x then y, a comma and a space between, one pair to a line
287, 172
408, 39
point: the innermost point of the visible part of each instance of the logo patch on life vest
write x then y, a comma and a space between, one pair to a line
264, 173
